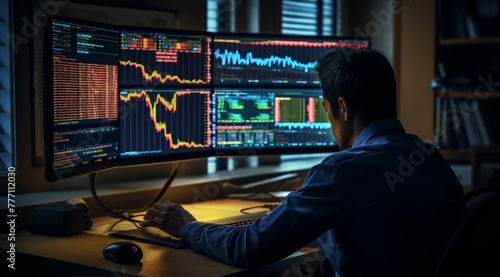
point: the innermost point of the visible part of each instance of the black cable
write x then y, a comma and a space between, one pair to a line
110, 228
167, 184
119, 213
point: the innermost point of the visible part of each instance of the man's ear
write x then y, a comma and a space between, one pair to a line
344, 110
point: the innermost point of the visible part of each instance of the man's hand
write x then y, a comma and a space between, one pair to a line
169, 217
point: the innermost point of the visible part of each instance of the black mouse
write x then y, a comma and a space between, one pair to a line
123, 252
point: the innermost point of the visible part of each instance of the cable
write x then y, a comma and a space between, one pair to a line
167, 184
110, 228
119, 213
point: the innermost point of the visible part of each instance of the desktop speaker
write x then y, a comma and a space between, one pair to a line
84, 210
57, 219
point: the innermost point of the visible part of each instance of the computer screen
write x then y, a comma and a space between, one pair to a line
165, 95
158, 57
256, 121
162, 124
267, 96
81, 103
120, 95
273, 60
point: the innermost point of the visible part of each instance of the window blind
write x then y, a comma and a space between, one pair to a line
307, 17
299, 17
328, 18
212, 18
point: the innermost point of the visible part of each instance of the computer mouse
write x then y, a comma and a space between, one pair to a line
123, 252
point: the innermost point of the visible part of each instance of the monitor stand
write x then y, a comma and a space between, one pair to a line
269, 160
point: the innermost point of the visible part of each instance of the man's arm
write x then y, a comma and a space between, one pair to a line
302, 217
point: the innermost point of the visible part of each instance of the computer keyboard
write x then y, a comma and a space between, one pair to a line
155, 235
239, 220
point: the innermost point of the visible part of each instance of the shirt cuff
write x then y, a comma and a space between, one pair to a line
189, 230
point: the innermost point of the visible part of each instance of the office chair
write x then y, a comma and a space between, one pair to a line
479, 156
480, 192
474, 248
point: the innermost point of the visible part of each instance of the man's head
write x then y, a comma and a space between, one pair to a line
359, 87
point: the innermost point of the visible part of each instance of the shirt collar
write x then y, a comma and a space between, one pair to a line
376, 127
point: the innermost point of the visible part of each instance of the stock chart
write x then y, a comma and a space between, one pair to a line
83, 95
156, 58
270, 61
270, 118
162, 121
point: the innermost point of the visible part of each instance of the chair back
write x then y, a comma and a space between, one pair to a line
474, 248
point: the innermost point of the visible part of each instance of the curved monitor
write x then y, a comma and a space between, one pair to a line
81, 104
124, 96
120, 96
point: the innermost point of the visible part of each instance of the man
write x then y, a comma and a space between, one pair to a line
385, 205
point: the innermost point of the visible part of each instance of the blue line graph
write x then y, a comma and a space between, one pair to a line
236, 59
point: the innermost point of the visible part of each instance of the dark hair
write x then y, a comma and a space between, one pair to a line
364, 78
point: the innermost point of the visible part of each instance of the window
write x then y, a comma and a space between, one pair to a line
307, 17
6, 135
304, 17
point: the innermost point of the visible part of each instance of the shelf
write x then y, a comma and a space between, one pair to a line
456, 155
469, 41
469, 93
467, 96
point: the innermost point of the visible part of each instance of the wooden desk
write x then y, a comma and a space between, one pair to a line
81, 255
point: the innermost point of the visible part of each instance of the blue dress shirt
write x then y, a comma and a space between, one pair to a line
384, 207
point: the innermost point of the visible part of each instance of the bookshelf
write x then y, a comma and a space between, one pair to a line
467, 79
469, 41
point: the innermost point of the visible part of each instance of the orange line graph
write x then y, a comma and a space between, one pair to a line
156, 75
168, 106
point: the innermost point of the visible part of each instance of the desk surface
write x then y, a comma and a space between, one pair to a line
82, 254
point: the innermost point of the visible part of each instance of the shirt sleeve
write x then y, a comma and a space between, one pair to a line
302, 217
